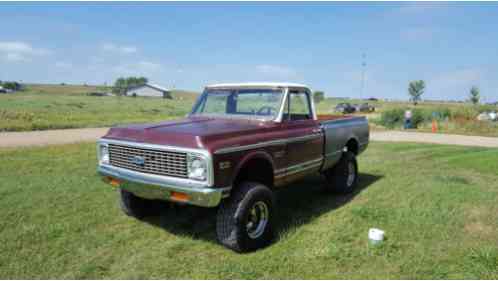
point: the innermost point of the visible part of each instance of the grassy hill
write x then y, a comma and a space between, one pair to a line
42, 107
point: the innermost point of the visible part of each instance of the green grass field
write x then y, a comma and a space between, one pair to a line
437, 204
43, 107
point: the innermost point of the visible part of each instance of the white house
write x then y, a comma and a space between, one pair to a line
148, 90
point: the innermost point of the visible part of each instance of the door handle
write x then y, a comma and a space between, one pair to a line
316, 131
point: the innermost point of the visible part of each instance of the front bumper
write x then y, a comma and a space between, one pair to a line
162, 188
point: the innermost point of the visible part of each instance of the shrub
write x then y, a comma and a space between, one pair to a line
395, 117
419, 117
442, 113
392, 118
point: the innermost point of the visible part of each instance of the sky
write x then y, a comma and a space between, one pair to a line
451, 46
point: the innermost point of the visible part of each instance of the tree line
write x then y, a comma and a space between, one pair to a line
122, 84
11, 85
417, 88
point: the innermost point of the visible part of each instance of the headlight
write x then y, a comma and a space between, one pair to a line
197, 167
103, 154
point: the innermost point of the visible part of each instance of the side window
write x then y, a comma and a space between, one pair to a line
298, 107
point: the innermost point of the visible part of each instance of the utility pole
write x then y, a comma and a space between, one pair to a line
363, 69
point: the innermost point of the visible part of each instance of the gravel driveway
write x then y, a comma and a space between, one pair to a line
398, 136
40, 138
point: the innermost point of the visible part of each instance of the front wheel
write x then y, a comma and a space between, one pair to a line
245, 220
343, 177
135, 206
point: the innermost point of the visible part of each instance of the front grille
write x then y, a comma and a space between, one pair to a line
157, 162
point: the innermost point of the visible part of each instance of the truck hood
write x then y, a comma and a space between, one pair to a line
192, 132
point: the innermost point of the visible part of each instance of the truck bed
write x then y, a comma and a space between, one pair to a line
330, 117
338, 130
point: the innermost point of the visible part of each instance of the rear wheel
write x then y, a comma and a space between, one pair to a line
343, 177
135, 206
245, 220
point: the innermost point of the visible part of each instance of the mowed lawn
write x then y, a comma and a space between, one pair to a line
437, 204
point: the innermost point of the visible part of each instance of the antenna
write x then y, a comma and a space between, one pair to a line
363, 69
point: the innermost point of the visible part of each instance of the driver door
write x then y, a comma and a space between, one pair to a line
305, 140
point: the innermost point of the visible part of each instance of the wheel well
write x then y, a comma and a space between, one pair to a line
257, 170
352, 145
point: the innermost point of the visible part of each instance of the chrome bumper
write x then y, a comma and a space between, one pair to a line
160, 187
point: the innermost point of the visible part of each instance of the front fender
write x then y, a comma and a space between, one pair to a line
258, 154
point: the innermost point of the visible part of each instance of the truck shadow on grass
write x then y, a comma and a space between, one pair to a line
297, 204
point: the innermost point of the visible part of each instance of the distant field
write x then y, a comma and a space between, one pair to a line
59, 221
463, 126
43, 107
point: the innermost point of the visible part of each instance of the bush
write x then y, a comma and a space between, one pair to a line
392, 118
419, 117
396, 117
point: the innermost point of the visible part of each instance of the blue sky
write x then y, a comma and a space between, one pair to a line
451, 46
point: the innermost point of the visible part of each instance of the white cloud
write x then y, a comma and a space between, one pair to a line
275, 70
16, 47
15, 57
16, 51
113, 48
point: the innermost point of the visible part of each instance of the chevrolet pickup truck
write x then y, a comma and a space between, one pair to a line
238, 145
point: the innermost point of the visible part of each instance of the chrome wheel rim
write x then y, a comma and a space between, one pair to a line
351, 174
257, 220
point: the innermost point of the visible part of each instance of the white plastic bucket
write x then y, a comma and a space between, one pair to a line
375, 235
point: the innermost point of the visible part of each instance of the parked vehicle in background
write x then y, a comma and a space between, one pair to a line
364, 107
6, 91
239, 143
345, 108
488, 116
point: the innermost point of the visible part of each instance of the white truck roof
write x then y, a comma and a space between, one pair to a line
258, 84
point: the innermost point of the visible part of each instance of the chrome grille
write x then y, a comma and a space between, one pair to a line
158, 162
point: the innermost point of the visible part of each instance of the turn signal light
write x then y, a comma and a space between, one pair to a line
178, 196
113, 182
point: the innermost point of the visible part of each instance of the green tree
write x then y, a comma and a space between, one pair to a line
474, 95
415, 90
318, 96
119, 86
122, 84
14, 86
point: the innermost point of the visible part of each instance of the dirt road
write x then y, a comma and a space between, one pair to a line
40, 138
398, 136
52, 137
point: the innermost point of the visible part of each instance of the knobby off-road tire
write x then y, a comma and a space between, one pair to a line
135, 206
343, 177
240, 222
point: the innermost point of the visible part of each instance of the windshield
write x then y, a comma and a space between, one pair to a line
243, 103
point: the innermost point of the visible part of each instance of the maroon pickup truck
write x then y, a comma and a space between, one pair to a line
239, 143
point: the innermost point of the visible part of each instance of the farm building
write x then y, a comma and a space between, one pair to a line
148, 90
